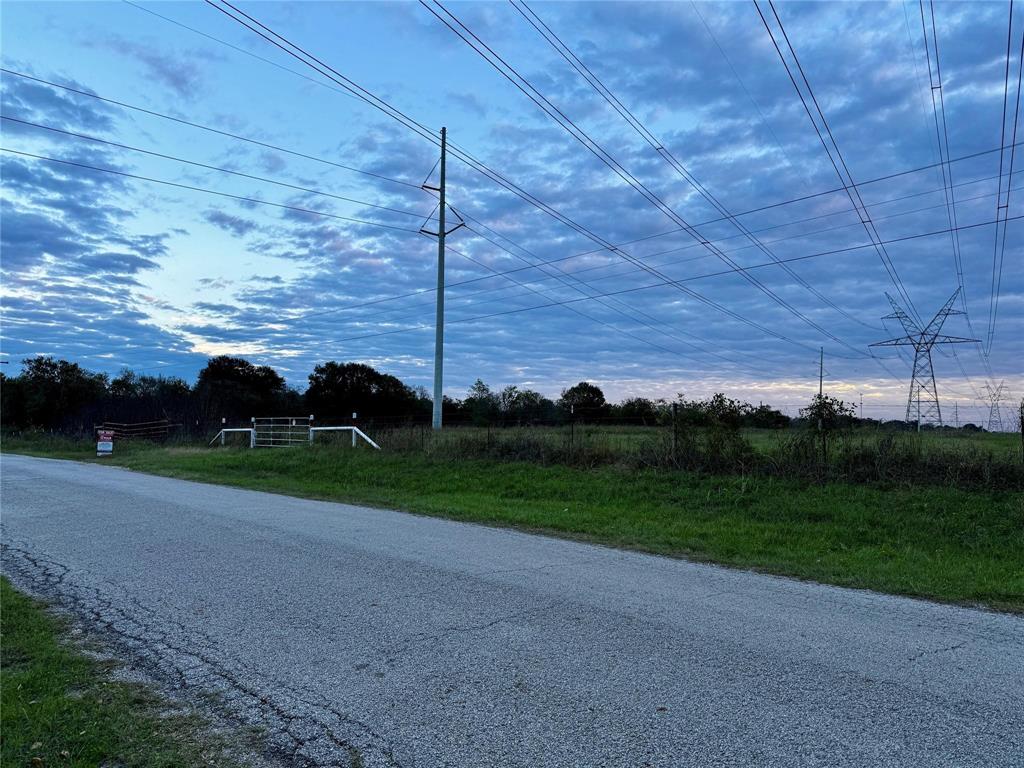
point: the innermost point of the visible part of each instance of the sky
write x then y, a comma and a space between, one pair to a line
689, 232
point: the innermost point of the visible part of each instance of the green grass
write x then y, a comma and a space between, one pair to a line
61, 707
933, 542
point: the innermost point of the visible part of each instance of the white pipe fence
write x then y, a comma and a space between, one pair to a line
356, 432
223, 432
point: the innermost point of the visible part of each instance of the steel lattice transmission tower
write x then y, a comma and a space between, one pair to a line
924, 396
994, 395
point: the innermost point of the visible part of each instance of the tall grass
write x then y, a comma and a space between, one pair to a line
887, 458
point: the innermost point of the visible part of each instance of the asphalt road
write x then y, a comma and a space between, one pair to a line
423, 642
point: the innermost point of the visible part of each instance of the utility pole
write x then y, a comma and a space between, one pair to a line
439, 323
956, 413
821, 370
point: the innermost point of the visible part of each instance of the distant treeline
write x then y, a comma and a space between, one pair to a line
58, 395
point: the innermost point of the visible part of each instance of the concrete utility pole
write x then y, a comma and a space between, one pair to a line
821, 370
442, 209
439, 324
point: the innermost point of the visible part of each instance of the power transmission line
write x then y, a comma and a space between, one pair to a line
847, 180
151, 153
942, 142
623, 291
1002, 209
207, 128
313, 62
559, 45
425, 291
192, 188
750, 211
556, 114
263, 179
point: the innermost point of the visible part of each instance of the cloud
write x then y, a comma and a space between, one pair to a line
180, 71
236, 225
29, 100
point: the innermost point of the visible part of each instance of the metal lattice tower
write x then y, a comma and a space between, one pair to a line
994, 395
923, 399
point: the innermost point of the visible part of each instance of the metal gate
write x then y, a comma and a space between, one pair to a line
280, 431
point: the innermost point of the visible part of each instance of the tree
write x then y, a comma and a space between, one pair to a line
827, 413
481, 403
55, 393
584, 400
337, 390
639, 410
766, 417
233, 388
524, 406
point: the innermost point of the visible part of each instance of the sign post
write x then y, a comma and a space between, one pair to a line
104, 442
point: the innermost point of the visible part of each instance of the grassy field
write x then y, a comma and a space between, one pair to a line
625, 438
933, 542
61, 707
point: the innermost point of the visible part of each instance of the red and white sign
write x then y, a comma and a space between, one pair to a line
104, 442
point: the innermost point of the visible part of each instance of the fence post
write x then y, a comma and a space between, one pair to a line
1021, 422
223, 424
675, 433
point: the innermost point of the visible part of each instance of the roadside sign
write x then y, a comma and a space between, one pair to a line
104, 442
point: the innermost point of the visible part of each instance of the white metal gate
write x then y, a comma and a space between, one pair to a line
280, 431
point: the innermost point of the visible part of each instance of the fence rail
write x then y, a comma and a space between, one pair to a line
152, 430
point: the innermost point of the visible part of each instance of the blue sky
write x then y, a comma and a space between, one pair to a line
113, 271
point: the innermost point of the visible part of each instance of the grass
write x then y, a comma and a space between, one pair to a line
61, 707
933, 542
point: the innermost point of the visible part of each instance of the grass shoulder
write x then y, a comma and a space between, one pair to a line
63, 707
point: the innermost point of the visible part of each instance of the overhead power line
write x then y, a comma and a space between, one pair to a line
192, 188
832, 150
1003, 208
264, 179
942, 142
371, 99
529, 267
207, 128
664, 233
705, 276
560, 47
558, 116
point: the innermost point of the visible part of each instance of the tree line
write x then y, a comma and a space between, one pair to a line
59, 395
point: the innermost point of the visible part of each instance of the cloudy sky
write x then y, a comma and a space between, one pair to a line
684, 229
